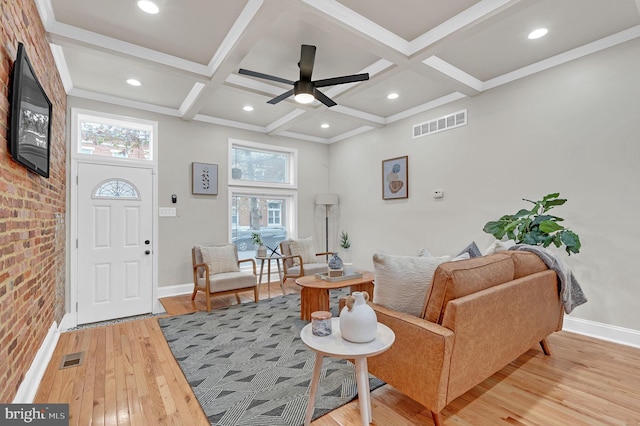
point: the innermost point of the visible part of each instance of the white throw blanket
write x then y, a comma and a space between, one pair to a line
570, 291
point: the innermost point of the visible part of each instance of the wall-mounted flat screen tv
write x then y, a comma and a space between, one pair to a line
30, 130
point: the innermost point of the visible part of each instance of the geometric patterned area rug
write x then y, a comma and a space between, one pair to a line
247, 364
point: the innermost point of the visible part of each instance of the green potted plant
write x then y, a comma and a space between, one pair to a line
257, 240
536, 226
344, 240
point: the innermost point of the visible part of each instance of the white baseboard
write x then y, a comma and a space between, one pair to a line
174, 290
29, 386
611, 333
168, 291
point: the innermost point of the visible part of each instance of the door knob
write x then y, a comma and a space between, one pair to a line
147, 252
147, 242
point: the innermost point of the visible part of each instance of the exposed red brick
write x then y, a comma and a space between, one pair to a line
32, 253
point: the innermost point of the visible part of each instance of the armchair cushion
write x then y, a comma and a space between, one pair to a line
309, 269
304, 248
225, 281
402, 282
220, 259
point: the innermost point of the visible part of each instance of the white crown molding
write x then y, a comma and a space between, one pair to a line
474, 13
45, 10
191, 97
61, 65
285, 119
361, 24
570, 55
229, 123
78, 35
101, 97
350, 134
380, 121
234, 34
300, 136
427, 106
454, 72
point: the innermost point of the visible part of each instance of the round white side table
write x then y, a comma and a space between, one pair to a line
335, 346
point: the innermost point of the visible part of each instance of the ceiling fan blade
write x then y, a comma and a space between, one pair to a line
323, 98
282, 97
265, 76
341, 80
307, 58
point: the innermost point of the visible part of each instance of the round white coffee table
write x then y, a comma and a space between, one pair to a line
335, 346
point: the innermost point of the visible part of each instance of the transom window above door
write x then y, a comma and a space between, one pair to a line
114, 137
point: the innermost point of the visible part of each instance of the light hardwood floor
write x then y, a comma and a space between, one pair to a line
129, 376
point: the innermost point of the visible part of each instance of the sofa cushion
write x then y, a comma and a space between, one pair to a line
229, 281
525, 263
402, 282
304, 248
452, 280
220, 259
499, 246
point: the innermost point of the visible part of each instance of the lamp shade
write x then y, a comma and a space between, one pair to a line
327, 199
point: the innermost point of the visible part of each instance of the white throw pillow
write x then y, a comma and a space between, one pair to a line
304, 248
499, 246
220, 258
402, 282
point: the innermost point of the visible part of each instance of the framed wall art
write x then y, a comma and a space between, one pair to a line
204, 178
395, 178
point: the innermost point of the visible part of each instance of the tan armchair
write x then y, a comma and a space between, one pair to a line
295, 266
216, 270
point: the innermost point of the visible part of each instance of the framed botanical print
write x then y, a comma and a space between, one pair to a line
204, 178
395, 178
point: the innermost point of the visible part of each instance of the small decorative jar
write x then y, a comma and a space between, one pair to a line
358, 320
321, 323
335, 262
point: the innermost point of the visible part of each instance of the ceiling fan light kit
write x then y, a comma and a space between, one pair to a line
305, 90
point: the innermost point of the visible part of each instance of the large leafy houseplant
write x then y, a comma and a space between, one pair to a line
536, 226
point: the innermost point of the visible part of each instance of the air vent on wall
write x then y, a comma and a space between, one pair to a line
440, 124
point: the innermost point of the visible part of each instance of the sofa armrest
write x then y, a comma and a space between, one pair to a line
418, 362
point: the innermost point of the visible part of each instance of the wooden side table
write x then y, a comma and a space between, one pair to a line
335, 346
268, 259
315, 292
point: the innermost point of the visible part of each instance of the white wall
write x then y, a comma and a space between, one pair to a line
205, 218
574, 129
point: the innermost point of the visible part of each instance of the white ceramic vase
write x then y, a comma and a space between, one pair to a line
358, 320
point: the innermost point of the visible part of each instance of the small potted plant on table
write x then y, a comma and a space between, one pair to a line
257, 240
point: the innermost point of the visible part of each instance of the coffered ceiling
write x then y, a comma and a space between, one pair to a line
429, 52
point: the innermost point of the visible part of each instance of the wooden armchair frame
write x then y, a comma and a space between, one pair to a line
207, 287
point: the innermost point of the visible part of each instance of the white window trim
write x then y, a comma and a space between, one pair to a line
290, 196
293, 165
78, 115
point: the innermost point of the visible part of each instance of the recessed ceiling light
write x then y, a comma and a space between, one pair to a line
540, 32
325, 125
148, 7
247, 108
393, 96
134, 82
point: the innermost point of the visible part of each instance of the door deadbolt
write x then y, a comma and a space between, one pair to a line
147, 242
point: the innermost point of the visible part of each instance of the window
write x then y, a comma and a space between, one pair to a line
253, 164
116, 188
262, 193
274, 213
123, 138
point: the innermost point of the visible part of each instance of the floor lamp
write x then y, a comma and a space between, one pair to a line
326, 200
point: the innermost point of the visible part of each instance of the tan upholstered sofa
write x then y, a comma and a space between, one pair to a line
479, 315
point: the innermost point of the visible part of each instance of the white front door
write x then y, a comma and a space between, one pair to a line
115, 227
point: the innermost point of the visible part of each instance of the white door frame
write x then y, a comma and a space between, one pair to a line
73, 210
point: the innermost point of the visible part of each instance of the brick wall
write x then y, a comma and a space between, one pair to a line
32, 210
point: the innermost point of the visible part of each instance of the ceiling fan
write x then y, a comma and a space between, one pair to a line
305, 90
